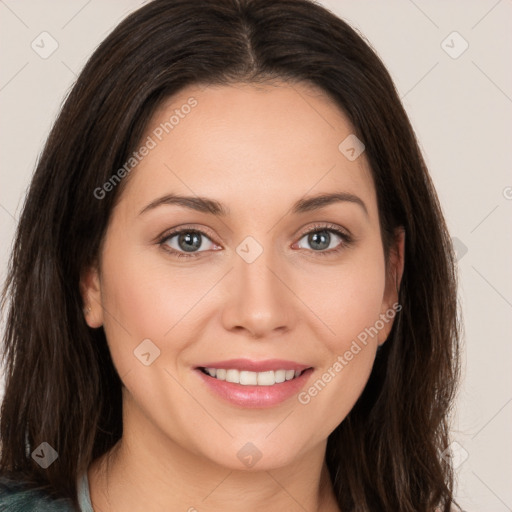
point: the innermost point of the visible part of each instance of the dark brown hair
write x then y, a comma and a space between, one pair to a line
61, 385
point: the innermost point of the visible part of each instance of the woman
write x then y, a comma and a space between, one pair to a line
232, 283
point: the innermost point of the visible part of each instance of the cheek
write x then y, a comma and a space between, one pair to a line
347, 298
146, 297
349, 302
334, 389
155, 290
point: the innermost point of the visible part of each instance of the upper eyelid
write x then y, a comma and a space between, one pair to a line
176, 231
327, 227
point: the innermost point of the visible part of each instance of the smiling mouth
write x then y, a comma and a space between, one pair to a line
249, 378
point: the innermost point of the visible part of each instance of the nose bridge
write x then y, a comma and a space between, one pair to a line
259, 301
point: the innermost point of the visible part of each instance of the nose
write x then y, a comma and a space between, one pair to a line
260, 300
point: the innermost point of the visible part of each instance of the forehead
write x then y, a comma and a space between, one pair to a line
244, 144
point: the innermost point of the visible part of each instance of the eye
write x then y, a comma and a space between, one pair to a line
325, 240
186, 242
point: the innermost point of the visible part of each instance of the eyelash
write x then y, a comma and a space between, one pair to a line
346, 240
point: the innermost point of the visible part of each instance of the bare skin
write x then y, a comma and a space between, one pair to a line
257, 150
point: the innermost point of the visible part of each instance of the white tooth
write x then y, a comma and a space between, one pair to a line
280, 376
266, 378
221, 374
248, 378
233, 376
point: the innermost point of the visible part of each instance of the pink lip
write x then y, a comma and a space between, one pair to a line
256, 366
255, 396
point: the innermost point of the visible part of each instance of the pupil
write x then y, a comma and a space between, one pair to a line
319, 240
189, 238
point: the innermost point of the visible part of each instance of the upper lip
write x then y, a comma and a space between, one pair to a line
256, 366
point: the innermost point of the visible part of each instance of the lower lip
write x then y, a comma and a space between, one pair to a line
255, 396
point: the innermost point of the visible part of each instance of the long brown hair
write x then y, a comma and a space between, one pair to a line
61, 385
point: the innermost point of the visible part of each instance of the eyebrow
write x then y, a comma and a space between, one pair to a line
206, 205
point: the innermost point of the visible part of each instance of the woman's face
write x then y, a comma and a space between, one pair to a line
267, 279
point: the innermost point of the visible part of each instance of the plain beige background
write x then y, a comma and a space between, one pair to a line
451, 64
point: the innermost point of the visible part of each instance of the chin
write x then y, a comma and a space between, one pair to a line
256, 454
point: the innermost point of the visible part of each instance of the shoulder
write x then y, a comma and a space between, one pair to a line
15, 497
